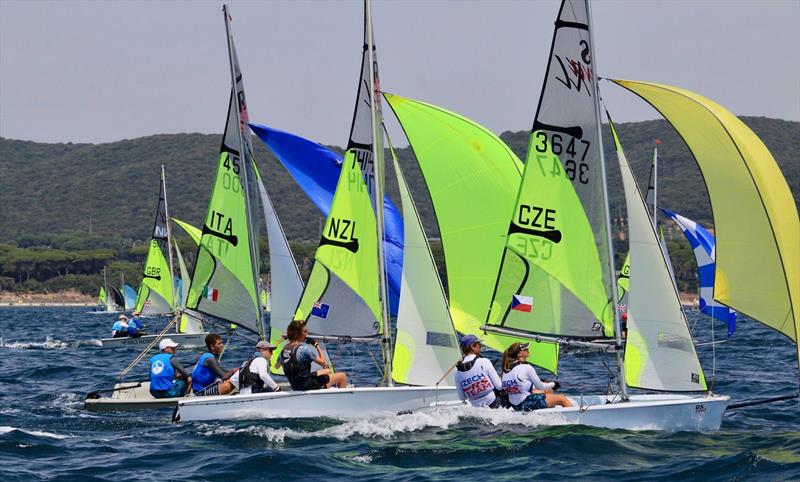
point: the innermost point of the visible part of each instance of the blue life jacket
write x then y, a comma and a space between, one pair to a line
162, 374
201, 375
135, 323
118, 326
132, 329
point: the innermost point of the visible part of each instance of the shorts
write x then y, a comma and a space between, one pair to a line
210, 390
314, 382
178, 390
535, 401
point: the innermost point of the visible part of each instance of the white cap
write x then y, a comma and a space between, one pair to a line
166, 343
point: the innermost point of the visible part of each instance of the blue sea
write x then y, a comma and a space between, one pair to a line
50, 358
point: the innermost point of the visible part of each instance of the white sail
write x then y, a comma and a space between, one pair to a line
426, 346
188, 324
659, 353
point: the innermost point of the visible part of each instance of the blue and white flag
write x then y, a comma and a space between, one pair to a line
320, 310
703, 244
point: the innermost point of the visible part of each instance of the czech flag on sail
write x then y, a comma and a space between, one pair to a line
211, 294
522, 303
320, 310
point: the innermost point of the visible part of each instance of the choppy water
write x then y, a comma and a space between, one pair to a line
46, 434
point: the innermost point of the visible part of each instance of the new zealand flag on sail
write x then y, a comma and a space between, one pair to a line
320, 310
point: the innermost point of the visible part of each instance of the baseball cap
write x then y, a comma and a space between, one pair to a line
515, 348
265, 344
166, 343
123, 317
468, 340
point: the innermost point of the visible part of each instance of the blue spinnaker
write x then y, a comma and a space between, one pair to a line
703, 244
129, 294
316, 170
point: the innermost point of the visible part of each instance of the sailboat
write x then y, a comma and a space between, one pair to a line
345, 297
109, 300
128, 293
157, 296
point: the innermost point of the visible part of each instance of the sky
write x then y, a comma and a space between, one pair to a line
104, 71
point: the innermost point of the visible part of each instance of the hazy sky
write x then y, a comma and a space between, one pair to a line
103, 71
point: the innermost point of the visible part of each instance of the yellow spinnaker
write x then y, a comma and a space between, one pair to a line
755, 217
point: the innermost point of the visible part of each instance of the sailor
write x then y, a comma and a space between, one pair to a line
135, 326
476, 379
208, 373
168, 378
525, 390
296, 359
120, 328
253, 376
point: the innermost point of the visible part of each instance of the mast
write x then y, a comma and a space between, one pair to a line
655, 183
617, 331
169, 240
108, 294
377, 156
243, 155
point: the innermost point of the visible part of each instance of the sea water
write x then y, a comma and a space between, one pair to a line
50, 358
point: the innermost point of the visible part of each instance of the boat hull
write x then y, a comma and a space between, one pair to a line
668, 412
185, 339
341, 403
128, 396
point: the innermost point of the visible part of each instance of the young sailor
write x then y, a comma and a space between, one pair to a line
253, 376
208, 373
168, 378
525, 390
135, 325
476, 379
120, 327
296, 359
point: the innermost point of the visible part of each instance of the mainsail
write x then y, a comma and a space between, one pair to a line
465, 164
155, 295
426, 345
130, 296
703, 245
225, 271
555, 276
659, 353
753, 208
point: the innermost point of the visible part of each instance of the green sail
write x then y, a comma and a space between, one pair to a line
192, 231
156, 291
344, 280
222, 282
101, 298
464, 164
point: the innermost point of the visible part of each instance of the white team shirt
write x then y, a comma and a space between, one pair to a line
478, 383
520, 381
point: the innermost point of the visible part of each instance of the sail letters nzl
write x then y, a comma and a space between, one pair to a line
221, 227
342, 233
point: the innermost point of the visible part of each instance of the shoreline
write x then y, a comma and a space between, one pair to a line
60, 298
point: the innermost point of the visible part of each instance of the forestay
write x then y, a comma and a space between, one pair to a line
659, 352
426, 346
155, 295
465, 164
753, 208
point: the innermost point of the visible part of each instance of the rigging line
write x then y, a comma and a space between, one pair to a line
372, 355
147, 349
713, 357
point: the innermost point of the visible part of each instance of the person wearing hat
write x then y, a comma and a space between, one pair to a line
120, 327
296, 359
525, 390
476, 379
135, 326
253, 376
208, 372
168, 378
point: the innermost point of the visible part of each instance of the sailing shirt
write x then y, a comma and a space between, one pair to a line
260, 366
519, 382
478, 383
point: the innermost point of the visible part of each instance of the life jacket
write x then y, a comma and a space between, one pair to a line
298, 373
162, 374
517, 390
201, 375
250, 379
475, 382
119, 326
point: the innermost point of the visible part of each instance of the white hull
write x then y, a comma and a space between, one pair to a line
129, 396
342, 403
185, 340
642, 412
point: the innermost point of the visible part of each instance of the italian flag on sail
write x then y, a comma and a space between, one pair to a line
210, 294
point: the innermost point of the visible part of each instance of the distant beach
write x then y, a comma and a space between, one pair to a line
60, 298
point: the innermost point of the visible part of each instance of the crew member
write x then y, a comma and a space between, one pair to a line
168, 378
525, 390
296, 359
208, 372
120, 327
476, 379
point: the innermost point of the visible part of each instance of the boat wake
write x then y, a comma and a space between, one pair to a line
35, 433
48, 344
390, 426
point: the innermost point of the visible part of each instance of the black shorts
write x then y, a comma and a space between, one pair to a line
314, 382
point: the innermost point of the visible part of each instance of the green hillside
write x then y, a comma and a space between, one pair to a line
76, 207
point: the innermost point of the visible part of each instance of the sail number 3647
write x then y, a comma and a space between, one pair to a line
576, 169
